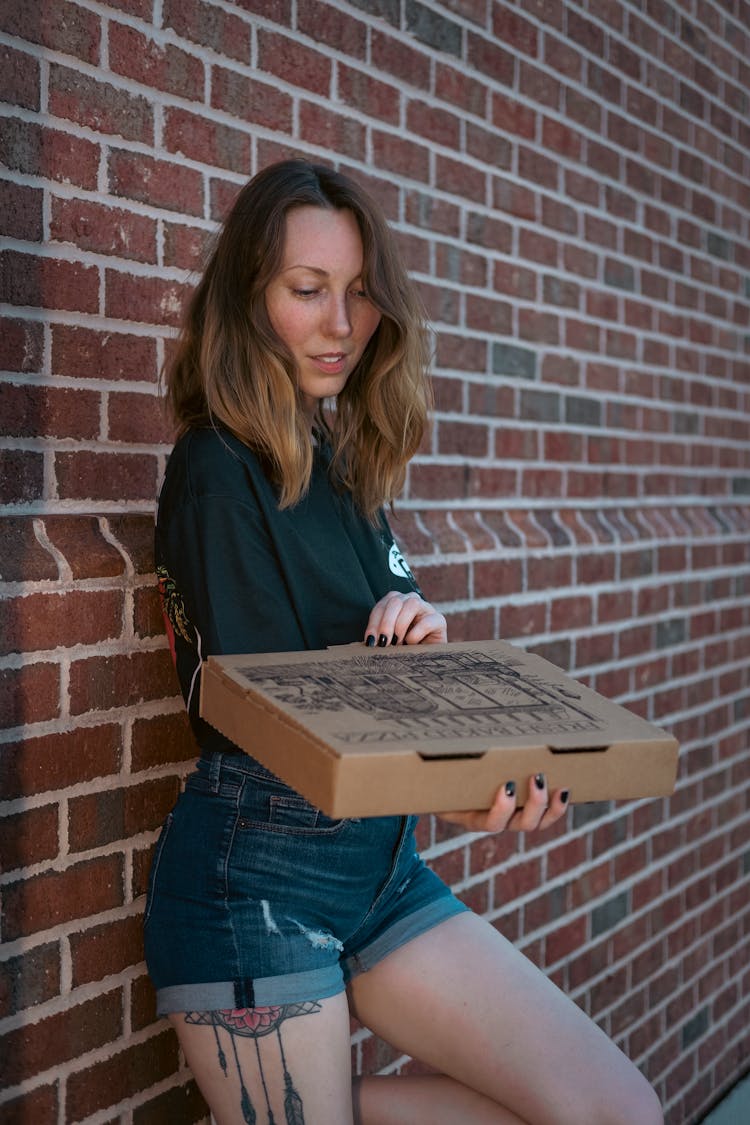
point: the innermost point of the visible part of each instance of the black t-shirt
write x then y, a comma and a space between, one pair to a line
238, 575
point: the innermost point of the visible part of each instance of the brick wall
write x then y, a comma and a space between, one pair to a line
570, 185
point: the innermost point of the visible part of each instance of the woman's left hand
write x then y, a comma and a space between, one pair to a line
540, 811
405, 619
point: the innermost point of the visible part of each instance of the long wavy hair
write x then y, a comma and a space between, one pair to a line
231, 368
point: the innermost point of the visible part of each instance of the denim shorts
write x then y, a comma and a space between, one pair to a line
256, 898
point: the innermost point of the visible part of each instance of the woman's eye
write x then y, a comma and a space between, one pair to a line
359, 293
304, 292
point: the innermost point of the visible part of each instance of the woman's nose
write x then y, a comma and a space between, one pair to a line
339, 322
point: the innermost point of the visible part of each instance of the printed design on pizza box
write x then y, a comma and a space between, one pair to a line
429, 695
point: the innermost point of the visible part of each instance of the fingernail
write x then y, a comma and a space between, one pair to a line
510, 789
539, 780
370, 640
564, 796
394, 639
382, 640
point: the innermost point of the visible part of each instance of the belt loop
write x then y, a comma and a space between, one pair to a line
214, 773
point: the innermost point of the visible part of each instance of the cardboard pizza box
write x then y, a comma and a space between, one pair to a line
428, 728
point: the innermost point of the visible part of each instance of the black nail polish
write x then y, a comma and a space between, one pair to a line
510, 789
539, 780
564, 796
370, 640
382, 640
394, 639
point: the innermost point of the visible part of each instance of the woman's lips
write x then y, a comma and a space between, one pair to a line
333, 363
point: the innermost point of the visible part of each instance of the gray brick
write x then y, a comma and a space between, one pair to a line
593, 810
620, 275
540, 406
695, 1027
609, 914
583, 411
508, 359
672, 632
719, 246
432, 28
389, 10
741, 486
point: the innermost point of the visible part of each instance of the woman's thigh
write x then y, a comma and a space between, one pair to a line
289, 1063
463, 1000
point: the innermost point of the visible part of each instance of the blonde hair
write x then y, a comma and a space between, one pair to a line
231, 368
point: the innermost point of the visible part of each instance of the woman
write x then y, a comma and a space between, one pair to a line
299, 385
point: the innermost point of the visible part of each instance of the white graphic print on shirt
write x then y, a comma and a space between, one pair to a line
398, 564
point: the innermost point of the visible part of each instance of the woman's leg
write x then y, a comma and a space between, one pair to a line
433, 1098
289, 1064
464, 1001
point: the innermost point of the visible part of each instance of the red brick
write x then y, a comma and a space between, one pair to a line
30, 694
105, 476
19, 78
458, 88
99, 683
326, 23
21, 344
251, 100
514, 31
121, 1076
86, 353
134, 175
46, 621
49, 1042
81, 542
30, 978
335, 132
27, 147
369, 95
162, 740
99, 106
20, 211
24, 557
565, 940
146, 299
48, 283
137, 418
21, 476
404, 157
447, 582
60, 27
185, 247
105, 230
96, 819
135, 534
395, 57
492, 60
205, 140
294, 62
522, 620
54, 761
28, 837
41, 902
34, 411
458, 177
182, 1103
39, 1104
159, 65
488, 315
209, 26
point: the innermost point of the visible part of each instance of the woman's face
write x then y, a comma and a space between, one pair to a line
315, 302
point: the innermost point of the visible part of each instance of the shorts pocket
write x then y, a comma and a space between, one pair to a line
155, 862
293, 813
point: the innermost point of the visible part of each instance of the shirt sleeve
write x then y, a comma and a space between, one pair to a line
223, 563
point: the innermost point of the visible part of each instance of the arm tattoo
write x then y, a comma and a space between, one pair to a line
254, 1023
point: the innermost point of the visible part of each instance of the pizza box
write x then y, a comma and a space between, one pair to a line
364, 731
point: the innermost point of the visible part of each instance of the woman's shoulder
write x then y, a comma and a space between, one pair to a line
210, 461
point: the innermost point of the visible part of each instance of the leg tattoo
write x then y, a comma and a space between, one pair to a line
254, 1023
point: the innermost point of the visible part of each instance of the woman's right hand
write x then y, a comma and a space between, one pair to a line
405, 619
540, 811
